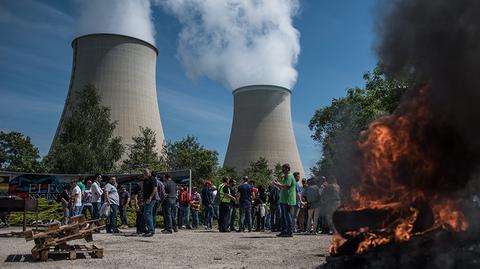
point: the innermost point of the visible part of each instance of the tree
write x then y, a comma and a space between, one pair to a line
260, 172
143, 153
337, 127
188, 153
18, 154
222, 172
277, 171
85, 143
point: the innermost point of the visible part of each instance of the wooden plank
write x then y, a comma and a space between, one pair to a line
44, 255
66, 229
71, 251
73, 255
53, 227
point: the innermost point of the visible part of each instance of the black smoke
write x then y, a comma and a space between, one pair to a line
438, 42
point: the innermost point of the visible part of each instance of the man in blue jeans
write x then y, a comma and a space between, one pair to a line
149, 191
288, 200
96, 196
112, 198
169, 204
244, 195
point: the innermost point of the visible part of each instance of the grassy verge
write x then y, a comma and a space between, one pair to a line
52, 210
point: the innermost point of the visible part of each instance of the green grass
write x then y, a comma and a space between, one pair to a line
48, 210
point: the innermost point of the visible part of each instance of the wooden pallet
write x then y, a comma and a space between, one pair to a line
72, 251
54, 240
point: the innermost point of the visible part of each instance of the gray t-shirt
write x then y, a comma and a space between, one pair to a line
312, 194
112, 194
170, 189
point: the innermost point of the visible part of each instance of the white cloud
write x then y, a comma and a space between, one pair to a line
238, 42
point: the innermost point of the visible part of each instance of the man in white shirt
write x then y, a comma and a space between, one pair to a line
112, 198
76, 199
96, 196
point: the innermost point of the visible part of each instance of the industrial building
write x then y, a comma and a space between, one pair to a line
123, 68
262, 127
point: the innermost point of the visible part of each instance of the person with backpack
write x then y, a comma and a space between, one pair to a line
159, 196
195, 204
184, 200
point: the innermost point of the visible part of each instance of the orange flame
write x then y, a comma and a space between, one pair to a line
387, 147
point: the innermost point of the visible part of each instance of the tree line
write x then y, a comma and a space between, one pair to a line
86, 145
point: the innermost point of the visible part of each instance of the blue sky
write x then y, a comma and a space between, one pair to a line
337, 39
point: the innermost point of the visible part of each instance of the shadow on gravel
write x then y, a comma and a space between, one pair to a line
51, 257
19, 258
257, 237
127, 234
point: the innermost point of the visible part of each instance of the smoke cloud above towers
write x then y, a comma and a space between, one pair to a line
235, 42
126, 17
238, 42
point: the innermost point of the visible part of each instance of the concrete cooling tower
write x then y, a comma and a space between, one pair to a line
122, 68
262, 127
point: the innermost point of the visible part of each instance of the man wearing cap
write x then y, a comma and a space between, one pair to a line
288, 199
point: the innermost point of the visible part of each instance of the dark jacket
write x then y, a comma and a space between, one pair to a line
207, 196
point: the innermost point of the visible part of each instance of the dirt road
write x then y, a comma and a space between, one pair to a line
185, 249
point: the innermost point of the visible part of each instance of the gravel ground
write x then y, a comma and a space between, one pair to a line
185, 249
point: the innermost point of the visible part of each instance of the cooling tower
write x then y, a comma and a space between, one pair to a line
262, 127
122, 68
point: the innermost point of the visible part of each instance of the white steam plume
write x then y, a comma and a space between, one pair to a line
125, 17
238, 42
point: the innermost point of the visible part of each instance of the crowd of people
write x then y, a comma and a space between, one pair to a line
287, 205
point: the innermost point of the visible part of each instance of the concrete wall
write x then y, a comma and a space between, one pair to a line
262, 127
123, 69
